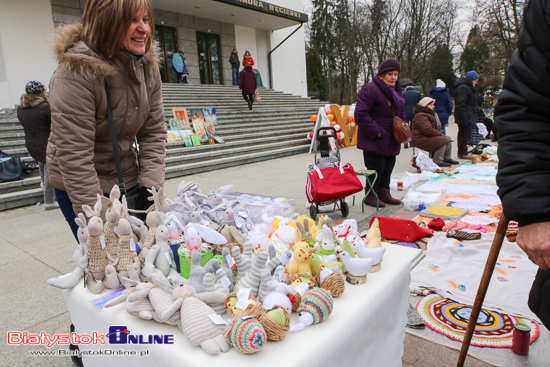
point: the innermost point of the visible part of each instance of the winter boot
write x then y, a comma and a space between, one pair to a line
385, 196
370, 200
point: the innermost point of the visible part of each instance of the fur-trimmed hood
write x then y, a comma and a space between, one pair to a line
427, 110
31, 100
75, 56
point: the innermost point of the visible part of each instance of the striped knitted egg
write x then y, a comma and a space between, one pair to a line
317, 302
247, 336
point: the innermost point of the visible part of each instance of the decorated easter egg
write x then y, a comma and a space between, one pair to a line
318, 303
313, 118
247, 336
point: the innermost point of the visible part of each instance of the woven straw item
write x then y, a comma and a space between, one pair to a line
273, 329
217, 249
312, 284
297, 301
335, 284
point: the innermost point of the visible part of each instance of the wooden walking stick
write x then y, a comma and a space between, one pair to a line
483, 285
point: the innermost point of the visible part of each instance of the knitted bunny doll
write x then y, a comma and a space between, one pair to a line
197, 326
126, 246
69, 280
159, 258
112, 215
95, 260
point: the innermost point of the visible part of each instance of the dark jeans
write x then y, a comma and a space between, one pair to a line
66, 205
249, 98
236, 76
383, 165
539, 297
462, 139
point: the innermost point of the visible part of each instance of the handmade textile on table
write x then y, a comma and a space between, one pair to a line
453, 268
450, 318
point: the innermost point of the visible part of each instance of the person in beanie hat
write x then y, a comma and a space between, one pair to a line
35, 116
465, 111
443, 103
377, 102
411, 97
428, 135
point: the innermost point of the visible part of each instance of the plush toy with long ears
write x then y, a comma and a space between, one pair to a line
252, 279
328, 247
71, 279
95, 260
197, 326
126, 245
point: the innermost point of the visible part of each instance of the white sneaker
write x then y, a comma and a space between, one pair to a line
51, 206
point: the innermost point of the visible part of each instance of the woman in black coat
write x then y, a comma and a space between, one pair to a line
522, 117
35, 116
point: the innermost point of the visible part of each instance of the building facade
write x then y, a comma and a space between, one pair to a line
205, 30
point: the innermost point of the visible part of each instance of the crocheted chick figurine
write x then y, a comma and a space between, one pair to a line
316, 306
299, 263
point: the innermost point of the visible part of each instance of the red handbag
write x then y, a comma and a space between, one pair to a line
326, 184
399, 229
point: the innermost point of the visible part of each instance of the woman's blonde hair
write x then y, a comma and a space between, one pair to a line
105, 22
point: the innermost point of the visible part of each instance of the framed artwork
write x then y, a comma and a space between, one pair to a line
195, 139
187, 140
197, 121
218, 139
172, 136
181, 114
174, 124
210, 116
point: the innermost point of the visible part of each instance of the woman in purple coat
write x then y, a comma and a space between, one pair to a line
377, 102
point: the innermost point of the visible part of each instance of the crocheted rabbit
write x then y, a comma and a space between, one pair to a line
197, 326
126, 246
95, 259
71, 279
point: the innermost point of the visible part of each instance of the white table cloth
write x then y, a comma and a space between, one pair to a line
366, 327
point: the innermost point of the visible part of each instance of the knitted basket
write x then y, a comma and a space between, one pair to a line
273, 329
297, 302
246, 335
335, 284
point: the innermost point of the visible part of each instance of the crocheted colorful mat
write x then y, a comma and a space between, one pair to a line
450, 318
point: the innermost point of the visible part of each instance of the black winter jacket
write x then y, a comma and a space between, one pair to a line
234, 60
465, 102
36, 121
522, 116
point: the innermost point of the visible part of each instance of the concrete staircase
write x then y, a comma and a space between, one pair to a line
276, 127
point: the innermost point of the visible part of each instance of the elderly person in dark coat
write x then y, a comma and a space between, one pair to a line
428, 135
35, 115
521, 115
377, 103
443, 103
465, 111
248, 84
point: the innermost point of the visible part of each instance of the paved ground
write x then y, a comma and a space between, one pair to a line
36, 245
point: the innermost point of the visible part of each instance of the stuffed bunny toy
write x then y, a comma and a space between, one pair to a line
126, 246
197, 326
252, 279
95, 260
152, 220
195, 234
113, 213
279, 296
328, 247
305, 233
69, 280
159, 258
216, 197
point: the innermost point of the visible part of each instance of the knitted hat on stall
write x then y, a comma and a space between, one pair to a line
390, 64
472, 75
440, 83
34, 87
317, 302
424, 102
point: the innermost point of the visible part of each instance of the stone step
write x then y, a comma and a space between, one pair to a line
198, 167
213, 154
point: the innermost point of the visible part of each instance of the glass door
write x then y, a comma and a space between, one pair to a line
210, 66
167, 38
